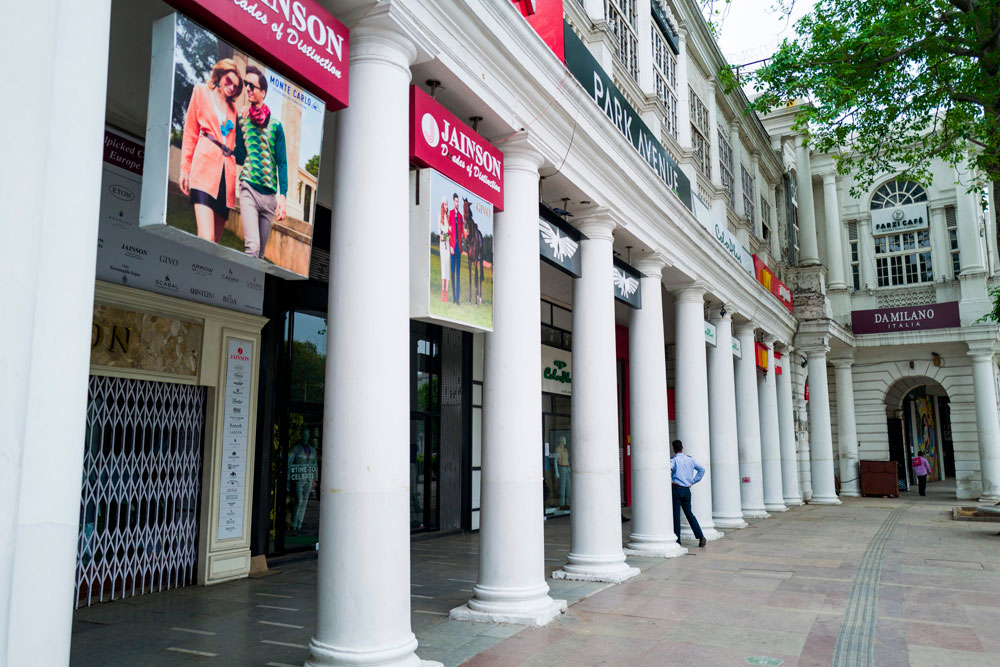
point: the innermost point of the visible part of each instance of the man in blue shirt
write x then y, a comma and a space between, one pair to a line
684, 473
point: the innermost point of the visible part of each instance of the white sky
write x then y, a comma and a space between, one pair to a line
754, 28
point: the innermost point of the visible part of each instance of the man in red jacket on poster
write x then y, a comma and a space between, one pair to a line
456, 228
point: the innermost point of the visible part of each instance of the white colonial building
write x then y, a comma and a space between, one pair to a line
742, 263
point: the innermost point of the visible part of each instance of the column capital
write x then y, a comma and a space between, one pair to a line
814, 349
842, 362
982, 348
596, 222
829, 178
652, 264
769, 339
800, 141
745, 329
724, 312
520, 154
378, 37
692, 292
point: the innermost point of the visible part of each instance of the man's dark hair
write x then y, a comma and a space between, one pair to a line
454, 195
678, 446
261, 79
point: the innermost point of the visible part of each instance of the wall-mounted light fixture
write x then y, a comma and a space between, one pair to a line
935, 358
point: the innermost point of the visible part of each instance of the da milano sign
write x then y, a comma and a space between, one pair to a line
606, 95
439, 140
887, 320
298, 37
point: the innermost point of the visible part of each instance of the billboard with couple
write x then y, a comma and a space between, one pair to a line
232, 152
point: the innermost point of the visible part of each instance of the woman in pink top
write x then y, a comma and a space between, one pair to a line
921, 468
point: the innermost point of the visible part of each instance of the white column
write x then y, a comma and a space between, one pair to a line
48, 284
987, 424
683, 96
866, 252
759, 188
941, 244
808, 247
734, 141
847, 428
770, 436
824, 490
970, 254
791, 493
691, 399
727, 509
713, 134
363, 569
652, 517
512, 586
834, 245
748, 426
595, 523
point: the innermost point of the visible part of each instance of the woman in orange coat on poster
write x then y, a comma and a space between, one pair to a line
208, 164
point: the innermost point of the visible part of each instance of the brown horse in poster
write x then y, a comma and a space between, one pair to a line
474, 247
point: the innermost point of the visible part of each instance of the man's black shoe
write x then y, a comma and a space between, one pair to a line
702, 542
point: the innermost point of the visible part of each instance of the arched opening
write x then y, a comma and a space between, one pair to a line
918, 414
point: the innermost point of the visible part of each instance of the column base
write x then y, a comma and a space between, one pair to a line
650, 547
850, 494
771, 507
603, 573
536, 617
323, 655
992, 500
711, 534
755, 513
824, 500
794, 502
728, 521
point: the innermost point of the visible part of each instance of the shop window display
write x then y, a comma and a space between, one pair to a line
557, 459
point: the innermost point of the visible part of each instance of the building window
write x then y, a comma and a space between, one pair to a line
726, 168
557, 323
852, 241
622, 19
903, 259
749, 187
951, 223
765, 218
665, 71
699, 134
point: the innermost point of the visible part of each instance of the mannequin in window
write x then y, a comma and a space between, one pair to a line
563, 472
302, 473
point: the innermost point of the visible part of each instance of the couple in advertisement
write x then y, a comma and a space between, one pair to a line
451, 234
217, 137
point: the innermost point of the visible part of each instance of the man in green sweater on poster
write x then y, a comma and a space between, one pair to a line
260, 148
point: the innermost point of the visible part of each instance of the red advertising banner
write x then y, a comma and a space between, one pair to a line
296, 37
761, 352
766, 277
546, 17
439, 140
884, 320
777, 369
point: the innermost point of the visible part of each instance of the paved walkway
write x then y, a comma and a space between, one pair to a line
872, 582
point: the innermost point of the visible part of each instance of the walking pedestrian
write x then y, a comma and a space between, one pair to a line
921, 468
684, 473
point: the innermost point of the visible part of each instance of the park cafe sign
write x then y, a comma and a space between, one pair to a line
712, 338
297, 37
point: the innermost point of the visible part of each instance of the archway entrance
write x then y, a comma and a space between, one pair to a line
918, 414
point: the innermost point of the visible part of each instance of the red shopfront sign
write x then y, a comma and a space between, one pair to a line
546, 18
886, 320
777, 368
439, 140
297, 37
761, 352
766, 277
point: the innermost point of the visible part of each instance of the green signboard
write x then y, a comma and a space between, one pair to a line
585, 68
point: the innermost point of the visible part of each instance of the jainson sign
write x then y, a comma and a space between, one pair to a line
905, 218
298, 37
609, 98
439, 140
885, 320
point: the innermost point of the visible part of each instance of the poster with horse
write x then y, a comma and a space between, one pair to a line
451, 254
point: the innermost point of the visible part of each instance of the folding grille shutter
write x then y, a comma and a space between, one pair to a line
141, 488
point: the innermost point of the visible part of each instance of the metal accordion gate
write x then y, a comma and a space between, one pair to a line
141, 488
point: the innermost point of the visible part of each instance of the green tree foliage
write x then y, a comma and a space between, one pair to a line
893, 84
312, 166
308, 372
